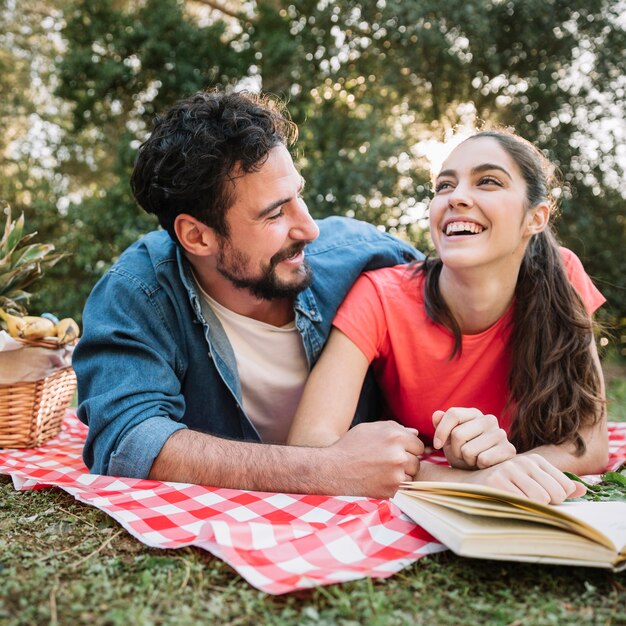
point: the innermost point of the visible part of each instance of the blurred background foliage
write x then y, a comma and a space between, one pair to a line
375, 86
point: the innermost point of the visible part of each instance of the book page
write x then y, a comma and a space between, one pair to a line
603, 524
608, 517
484, 536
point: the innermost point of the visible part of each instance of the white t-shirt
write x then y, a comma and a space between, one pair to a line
272, 367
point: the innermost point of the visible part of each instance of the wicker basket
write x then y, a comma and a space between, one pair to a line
31, 413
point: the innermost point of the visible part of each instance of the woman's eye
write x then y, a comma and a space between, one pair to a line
489, 180
442, 185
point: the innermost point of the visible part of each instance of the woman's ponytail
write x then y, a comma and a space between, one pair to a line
554, 384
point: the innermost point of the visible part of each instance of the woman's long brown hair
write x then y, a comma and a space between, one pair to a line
554, 385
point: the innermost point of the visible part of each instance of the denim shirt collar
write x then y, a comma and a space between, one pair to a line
306, 305
220, 348
186, 277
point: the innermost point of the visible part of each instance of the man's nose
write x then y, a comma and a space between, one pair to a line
304, 227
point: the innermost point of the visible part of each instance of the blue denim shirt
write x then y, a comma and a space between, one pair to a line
154, 359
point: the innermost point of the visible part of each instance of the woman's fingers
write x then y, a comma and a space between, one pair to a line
571, 488
533, 477
471, 439
540, 488
579, 490
446, 422
488, 449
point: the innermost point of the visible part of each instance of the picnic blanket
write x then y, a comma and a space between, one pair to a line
278, 542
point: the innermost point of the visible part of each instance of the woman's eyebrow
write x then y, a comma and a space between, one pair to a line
489, 166
483, 167
451, 173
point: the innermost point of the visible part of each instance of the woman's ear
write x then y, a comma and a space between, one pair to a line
537, 218
194, 236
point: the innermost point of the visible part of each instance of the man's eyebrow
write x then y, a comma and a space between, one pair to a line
271, 207
277, 203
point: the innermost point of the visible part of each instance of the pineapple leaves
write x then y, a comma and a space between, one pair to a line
37, 253
21, 263
12, 233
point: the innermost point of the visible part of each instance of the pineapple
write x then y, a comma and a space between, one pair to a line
20, 264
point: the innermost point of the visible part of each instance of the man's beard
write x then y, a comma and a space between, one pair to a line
231, 264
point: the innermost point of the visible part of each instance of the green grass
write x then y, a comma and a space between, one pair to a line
63, 562
616, 398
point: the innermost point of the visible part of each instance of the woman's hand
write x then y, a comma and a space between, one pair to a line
470, 439
531, 476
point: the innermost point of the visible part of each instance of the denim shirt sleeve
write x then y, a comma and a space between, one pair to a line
128, 367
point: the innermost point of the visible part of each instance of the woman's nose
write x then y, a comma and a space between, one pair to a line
460, 197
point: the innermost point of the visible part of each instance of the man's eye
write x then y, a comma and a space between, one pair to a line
275, 216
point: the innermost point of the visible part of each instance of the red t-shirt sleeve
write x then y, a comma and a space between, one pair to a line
361, 317
590, 295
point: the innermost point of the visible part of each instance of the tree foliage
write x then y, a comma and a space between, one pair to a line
371, 85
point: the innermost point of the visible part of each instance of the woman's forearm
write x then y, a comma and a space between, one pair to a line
330, 395
593, 460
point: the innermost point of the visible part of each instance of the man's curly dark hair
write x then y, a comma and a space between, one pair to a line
196, 148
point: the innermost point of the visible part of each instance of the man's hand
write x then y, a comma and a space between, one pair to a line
470, 439
372, 459
531, 476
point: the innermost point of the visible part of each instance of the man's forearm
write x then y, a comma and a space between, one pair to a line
369, 460
193, 457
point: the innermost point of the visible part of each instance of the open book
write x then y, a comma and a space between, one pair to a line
486, 523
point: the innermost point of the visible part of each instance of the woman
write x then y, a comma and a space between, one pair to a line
488, 349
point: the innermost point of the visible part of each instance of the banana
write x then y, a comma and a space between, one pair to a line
31, 327
28, 326
13, 323
36, 328
67, 330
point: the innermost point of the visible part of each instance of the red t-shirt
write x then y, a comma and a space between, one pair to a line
385, 316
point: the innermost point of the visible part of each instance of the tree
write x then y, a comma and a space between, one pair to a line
372, 85
31, 135
127, 61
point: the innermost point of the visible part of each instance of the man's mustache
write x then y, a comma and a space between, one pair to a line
281, 255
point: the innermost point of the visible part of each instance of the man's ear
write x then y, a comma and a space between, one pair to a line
537, 218
194, 236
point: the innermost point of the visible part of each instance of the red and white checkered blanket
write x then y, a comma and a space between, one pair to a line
278, 542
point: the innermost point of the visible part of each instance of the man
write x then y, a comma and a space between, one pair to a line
198, 341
